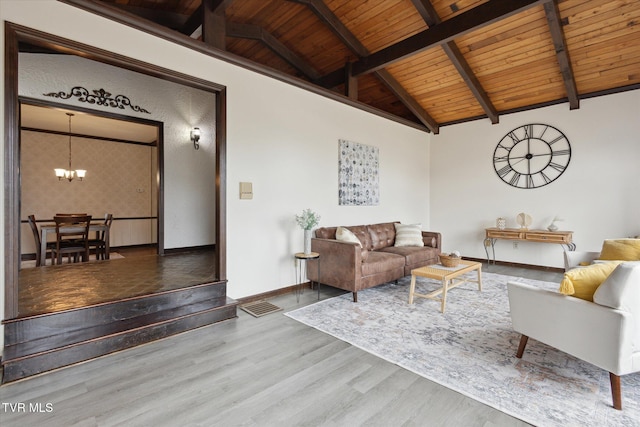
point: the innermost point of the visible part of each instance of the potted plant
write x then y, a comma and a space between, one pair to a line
307, 220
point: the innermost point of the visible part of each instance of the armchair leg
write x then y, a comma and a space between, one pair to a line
523, 344
355, 297
616, 393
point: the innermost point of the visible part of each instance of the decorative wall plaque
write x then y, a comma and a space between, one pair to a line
99, 97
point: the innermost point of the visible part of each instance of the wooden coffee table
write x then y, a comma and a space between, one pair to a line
449, 277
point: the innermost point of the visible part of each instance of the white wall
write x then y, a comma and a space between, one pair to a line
281, 138
598, 196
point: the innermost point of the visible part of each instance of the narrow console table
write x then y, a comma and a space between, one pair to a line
564, 238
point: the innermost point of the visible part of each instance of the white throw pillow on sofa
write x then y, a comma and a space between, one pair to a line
408, 235
345, 235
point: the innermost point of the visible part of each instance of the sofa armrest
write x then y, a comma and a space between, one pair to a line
429, 236
340, 263
574, 258
591, 332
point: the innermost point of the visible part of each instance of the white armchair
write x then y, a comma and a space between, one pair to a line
574, 259
627, 247
605, 333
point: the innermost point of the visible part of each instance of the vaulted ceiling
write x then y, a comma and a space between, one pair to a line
430, 62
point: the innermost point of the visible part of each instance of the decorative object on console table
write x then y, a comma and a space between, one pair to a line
553, 226
501, 223
307, 220
564, 238
524, 220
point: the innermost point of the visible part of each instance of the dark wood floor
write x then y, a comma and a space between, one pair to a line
62, 287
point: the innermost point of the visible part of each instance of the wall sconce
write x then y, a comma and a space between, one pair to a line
195, 137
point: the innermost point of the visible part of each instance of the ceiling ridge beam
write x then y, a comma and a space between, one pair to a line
320, 9
562, 54
254, 32
430, 16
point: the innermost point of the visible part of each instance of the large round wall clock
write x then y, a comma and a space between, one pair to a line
531, 156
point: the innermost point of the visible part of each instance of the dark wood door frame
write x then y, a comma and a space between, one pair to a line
15, 34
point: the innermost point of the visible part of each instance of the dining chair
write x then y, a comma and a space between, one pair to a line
100, 242
72, 237
40, 258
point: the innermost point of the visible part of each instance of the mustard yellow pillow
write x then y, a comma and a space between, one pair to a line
584, 281
621, 249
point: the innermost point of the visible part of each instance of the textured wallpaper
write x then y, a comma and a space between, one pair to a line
118, 181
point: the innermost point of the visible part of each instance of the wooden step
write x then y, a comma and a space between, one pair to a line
134, 322
31, 328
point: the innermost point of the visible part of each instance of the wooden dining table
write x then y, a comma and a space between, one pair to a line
47, 229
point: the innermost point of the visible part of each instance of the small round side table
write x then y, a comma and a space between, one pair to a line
302, 258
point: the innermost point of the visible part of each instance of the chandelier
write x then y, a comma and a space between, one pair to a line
69, 174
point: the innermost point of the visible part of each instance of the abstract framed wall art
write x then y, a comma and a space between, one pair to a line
358, 174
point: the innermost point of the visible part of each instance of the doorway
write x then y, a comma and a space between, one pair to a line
14, 37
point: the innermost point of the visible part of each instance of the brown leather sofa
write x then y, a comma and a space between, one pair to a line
347, 266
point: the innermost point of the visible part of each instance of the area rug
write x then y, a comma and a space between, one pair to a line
471, 349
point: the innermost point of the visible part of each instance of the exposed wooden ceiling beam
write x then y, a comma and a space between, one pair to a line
193, 22
351, 41
247, 31
430, 16
214, 22
473, 19
175, 21
560, 45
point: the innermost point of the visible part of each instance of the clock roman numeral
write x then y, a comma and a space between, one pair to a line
543, 131
556, 139
562, 152
530, 181
528, 131
504, 170
514, 179
558, 167
545, 178
514, 138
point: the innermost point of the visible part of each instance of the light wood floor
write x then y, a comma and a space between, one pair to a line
268, 371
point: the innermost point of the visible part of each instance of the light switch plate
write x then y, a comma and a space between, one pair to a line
246, 190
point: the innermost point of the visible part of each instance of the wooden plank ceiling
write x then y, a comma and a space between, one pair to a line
433, 62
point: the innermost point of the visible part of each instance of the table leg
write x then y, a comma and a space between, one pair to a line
318, 283
412, 288
445, 285
479, 278
106, 244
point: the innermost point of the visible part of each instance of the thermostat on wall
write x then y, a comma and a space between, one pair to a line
246, 190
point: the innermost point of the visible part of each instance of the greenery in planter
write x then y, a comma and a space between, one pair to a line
308, 219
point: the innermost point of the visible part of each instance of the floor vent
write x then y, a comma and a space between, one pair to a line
260, 308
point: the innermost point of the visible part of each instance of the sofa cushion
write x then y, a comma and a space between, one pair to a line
620, 249
382, 235
582, 282
326, 232
380, 262
413, 255
362, 234
408, 235
343, 234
